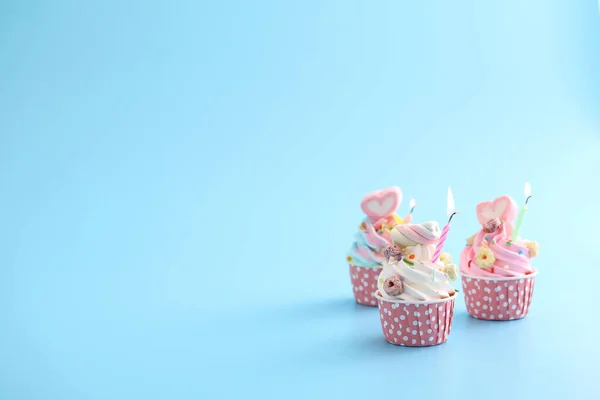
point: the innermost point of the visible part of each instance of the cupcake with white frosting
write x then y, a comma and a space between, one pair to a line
422, 279
410, 282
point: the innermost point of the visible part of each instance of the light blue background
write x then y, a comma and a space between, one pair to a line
181, 180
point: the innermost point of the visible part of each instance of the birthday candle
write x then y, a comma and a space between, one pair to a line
412, 206
449, 210
440, 246
522, 212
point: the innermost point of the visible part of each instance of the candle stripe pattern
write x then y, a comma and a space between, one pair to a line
440, 246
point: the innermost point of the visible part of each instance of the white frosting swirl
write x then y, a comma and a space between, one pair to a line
423, 280
419, 252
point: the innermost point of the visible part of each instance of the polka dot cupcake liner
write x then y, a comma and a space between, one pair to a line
364, 283
498, 299
416, 324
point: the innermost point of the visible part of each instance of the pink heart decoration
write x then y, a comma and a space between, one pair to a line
382, 203
504, 208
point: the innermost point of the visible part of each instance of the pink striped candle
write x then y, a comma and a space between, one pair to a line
449, 209
440, 245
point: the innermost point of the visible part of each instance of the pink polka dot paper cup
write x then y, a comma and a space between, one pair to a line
364, 283
498, 299
417, 324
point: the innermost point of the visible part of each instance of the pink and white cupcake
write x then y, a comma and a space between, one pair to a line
415, 297
367, 252
497, 274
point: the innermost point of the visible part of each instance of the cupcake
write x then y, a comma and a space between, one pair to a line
497, 275
415, 297
371, 241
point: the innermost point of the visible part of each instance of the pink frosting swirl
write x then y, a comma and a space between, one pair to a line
512, 258
369, 245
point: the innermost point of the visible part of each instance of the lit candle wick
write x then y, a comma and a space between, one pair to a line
412, 206
453, 214
527, 200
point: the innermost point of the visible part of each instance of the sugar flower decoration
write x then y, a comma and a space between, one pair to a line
452, 271
446, 258
533, 248
485, 258
470, 240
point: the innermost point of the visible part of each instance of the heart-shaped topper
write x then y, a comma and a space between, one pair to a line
382, 203
504, 208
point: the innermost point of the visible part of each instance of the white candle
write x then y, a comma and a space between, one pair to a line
412, 206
